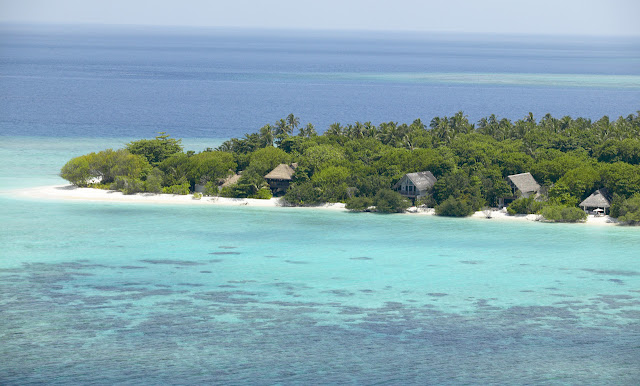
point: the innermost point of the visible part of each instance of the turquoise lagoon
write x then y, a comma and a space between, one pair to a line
122, 293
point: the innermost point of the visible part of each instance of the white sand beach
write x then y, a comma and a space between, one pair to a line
70, 192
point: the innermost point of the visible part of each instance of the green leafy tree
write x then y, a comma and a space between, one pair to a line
322, 156
175, 169
621, 178
209, 166
153, 183
79, 170
155, 150
332, 182
262, 161
628, 210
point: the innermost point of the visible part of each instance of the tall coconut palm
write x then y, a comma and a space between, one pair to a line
335, 129
282, 128
293, 121
267, 135
308, 131
370, 130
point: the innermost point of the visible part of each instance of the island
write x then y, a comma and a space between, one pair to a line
559, 170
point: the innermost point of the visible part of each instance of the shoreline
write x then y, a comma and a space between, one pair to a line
70, 192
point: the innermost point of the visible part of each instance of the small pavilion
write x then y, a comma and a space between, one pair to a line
597, 202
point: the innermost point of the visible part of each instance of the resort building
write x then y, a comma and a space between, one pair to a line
522, 185
598, 202
415, 185
228, 181
280, 178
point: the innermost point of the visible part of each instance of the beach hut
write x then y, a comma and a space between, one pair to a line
231, 179
598, 202
415, 185
280, 178
522, 185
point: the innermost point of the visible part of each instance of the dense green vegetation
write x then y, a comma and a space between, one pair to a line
359, 163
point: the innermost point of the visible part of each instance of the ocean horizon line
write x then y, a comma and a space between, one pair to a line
311, 32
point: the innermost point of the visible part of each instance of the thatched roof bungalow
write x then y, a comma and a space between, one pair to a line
523, 183
232, 179
280, 178
415, 185
597, 202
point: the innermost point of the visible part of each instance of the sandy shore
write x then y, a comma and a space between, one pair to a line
70, 192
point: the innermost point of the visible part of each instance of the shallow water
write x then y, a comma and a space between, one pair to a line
114, 292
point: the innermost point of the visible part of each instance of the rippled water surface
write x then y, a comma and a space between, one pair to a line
108, 293
125, 293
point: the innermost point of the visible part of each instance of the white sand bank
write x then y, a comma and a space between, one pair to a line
502, 215
70, 192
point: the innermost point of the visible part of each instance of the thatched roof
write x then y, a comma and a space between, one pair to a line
597, 199
281, 172
524, 182
422, 180
232, 179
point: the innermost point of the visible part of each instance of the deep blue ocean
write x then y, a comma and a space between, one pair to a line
224, 83
117, 293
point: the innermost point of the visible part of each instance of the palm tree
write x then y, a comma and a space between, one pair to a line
441, 129
356, 131
282, 127
388, 132
529, 118
267, 135
370, 130
334, 129
293, 121
308, 131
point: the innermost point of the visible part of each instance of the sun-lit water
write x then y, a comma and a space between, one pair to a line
120, 293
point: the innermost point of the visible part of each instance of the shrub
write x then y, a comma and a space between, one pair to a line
302, 194
359, 204
128, 185
427, 201
453, 207
197, 196
389, 201
211, 189
559, 213
524, 206
182, 189
263, 194
153, 184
